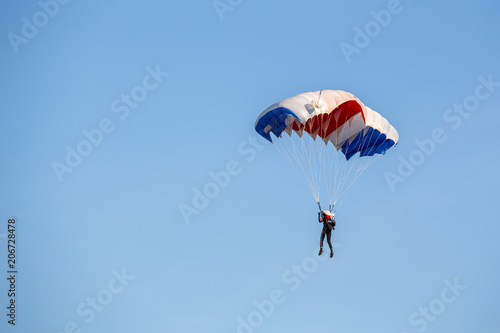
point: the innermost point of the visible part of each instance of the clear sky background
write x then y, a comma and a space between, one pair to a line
245, 260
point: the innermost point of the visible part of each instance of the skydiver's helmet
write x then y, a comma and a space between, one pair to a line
328, 215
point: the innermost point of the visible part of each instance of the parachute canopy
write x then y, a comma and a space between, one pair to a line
335, 116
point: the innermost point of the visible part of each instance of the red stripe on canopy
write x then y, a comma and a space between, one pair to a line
326, 123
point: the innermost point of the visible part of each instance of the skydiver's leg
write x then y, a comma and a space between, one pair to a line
329, 240
322, 237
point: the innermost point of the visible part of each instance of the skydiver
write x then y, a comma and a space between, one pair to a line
328, 219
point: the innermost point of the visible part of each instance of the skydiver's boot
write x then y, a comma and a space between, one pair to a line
320, 252
331, 253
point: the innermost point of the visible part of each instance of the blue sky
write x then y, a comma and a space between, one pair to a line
169, 93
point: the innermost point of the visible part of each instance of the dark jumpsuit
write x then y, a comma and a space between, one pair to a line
328, 225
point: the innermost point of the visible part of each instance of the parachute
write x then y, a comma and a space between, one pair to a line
344, 137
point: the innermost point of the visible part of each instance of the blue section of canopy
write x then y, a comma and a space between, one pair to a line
368, 143
276, 119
